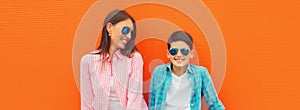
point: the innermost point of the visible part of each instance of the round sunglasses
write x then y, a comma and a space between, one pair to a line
184, 51
125, 30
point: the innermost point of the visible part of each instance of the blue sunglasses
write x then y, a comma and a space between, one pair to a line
125, 30
184, 51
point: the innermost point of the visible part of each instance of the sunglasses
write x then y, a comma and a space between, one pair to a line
184, 51
125, 30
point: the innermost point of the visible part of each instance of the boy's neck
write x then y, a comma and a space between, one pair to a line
178, 71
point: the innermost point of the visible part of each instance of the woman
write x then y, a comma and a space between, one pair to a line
111, 76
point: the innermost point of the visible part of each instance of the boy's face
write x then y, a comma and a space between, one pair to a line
183, 53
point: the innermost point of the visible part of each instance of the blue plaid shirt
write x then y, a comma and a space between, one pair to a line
199, 78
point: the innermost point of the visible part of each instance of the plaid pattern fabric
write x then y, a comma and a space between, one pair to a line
198, 77
95, 81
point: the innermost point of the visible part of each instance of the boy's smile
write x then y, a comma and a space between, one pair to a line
180, 59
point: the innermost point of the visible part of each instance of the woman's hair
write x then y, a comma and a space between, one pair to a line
115, 17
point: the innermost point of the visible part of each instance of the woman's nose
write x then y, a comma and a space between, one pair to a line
128, 35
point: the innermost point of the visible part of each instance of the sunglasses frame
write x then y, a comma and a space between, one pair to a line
172, 50
125, 30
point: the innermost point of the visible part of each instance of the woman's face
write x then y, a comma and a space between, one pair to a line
119, 40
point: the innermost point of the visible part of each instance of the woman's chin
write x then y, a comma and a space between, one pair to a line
122, 47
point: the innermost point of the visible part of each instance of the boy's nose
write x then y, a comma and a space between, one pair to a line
179, 53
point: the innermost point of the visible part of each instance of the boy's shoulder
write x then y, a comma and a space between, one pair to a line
198, 70
160, 70
197, 67
160, 67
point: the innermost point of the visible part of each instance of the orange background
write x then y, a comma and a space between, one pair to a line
261, 38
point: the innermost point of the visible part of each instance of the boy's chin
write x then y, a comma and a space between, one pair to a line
176, 64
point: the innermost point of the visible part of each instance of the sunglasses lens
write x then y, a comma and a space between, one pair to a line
184, 51
125, 30
173, 51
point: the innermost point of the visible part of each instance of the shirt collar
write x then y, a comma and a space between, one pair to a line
188, 69
118, 54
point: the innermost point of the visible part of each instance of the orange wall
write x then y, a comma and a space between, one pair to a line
261, 38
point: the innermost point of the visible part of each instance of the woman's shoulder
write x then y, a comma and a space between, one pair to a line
95, 52
136, 55
93, 55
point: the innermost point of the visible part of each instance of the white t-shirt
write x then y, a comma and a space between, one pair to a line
179, 93
113, 103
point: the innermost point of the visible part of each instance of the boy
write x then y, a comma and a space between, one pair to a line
179, 85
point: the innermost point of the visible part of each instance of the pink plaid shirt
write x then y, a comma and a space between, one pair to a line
95, 81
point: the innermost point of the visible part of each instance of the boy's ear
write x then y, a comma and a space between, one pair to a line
192, 52
168, 54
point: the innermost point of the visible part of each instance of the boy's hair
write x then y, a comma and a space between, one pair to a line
181, 36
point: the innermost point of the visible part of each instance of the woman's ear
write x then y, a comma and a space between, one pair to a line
109, 27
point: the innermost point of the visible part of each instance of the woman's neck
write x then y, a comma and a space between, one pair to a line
112, 50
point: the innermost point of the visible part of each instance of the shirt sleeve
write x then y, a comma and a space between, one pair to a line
209, 93
86, 91
152, 90
135, 86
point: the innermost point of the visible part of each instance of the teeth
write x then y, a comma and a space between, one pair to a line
123, 40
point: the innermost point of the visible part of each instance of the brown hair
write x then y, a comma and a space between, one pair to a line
181, 36
114, 17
